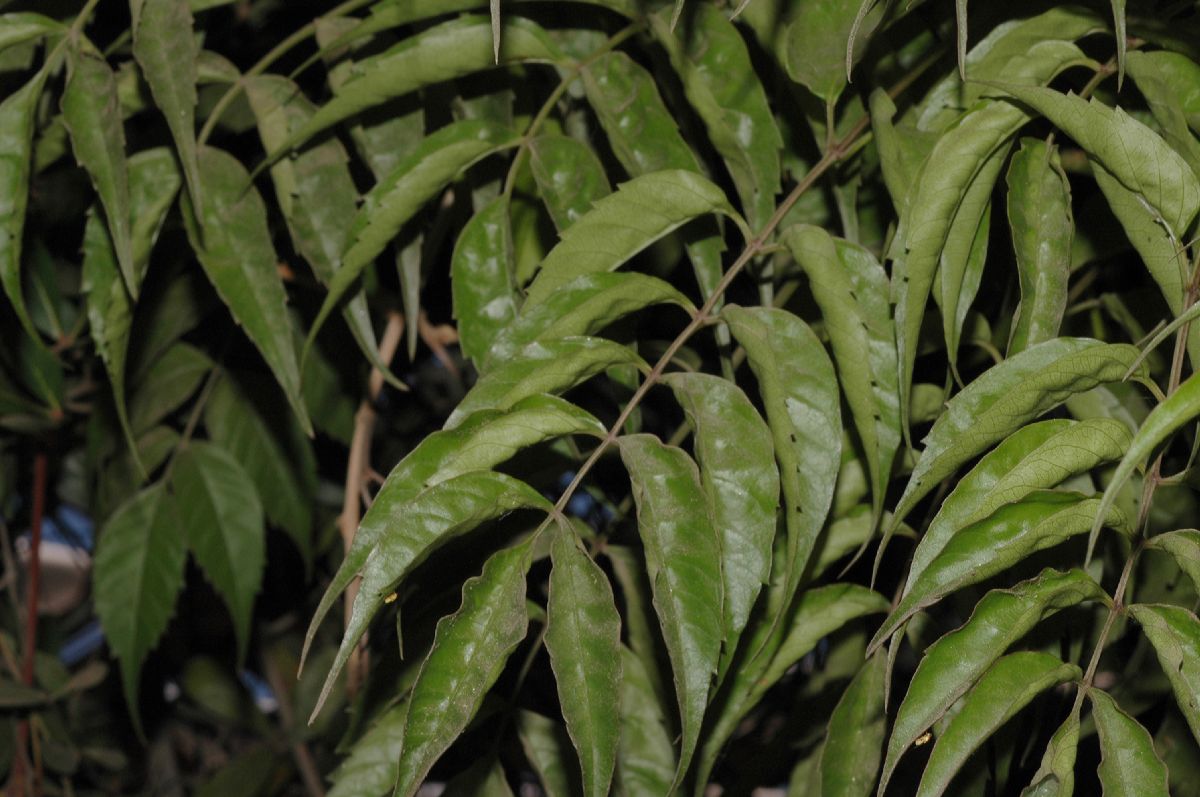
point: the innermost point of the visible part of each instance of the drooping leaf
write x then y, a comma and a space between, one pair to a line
851, 289
374, 761
1037, 456
1055, 777
853, 745
138, 573
818, 44
1165, 80
223, 523
154, 181
620, 225
161, 388
1039, 215
683, 559
166, 49
469, 650
452, 49
1175, 634
718, 78
1040, 520
646, 762
482, 278
440, 513
583, 306
740, 480
1184, 546
1129, 766
547, 746
583, 638
956, 661
274, 454
231, 238
1007, 687
1006, 397
92, 116
799, 389
570, 178
397, 198
550, 367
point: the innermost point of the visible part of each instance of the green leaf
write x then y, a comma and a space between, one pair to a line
1056, 775
482, 278
1041, 520
583, 638
851, 288
1130, 151
1175, 634
646, 762
1037, 456
154, 181
583, 306
234, 246
166, 384
1168, 417
547, 747
956, 661
799, 389
452, 49
138, 573
438, 514
17, 112
718, 78
853, 745
469, 650
1039, 215
1007, 687
549, 367
166, 49
223, 523
1006, 397
1166, 79
395, 199
274, 454
683, 560
92, 115
1184, 545
815, 48
740, 480
1129, 766
620, 225
374, 761
21, 27
569, 176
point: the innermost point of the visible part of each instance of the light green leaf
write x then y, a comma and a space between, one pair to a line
799, 389
274, 453
1129, 766
583, 306
620, 225
1165, 80
1056, 775
851, 289
569, 176
138, 573
1006, 397
469, 650
718, 78
166, 49
1168, 417
1038, 456
956, 661
374, 760
1007, 687
853, 744
1175, 634
819, 41
154, 181
1118, 10
1039, 216
550, 367
452, 49
24, 26
548, 749
223, 524
482, 278
583, 638
438, 160
683, 559
646, 762
92, 115
733, 447
1184, 545
233, 242
1041, 520
438, 514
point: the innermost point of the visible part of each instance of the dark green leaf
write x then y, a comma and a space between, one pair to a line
816, 43
1129, 766
646, 763
683, 559
469, 651
1056, 775
570, 178
853, 745
1184, 545
1165, 80
374, 761
1175, 634
168, 382
482, 278
548, 749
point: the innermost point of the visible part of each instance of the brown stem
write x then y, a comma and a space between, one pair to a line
305, 764
25, 781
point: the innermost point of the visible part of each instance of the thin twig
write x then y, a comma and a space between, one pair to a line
305, 764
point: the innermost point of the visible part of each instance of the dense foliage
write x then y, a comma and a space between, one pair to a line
787, 393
